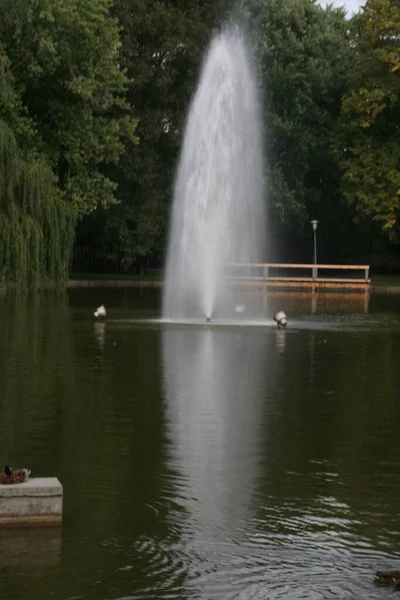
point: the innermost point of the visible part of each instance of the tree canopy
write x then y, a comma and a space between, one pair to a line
64, 56
368, 144
93, 100
163, 43
304, 56
64, 119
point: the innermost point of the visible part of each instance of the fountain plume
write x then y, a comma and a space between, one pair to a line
218, 209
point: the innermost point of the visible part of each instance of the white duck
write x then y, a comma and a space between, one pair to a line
100, 313
280, 318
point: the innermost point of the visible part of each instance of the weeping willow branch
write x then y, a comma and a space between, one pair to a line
36, 224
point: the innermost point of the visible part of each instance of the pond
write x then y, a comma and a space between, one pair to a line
203, 462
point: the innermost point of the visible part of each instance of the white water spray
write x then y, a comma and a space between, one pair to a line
218, 211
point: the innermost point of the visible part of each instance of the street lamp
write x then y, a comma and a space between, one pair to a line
314, 226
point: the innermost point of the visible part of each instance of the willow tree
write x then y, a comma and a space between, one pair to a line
36, 225
64, 121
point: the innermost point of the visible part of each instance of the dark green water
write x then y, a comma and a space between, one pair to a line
203, 462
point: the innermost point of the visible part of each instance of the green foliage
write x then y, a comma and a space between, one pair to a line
11, 108
64, 55
83, 81
37, 226
304, 55
368, 144
162, 46
163, 43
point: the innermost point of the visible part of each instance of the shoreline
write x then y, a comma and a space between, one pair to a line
157, 283
87, 283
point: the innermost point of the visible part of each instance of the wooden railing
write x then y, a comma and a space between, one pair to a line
263, 271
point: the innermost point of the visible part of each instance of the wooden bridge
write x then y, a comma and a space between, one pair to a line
299, 276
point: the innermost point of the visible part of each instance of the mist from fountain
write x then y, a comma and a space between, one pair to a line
218, 209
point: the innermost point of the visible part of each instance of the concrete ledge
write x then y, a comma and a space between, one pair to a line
37, 501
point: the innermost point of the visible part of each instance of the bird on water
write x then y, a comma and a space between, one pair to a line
281, 318
100, 313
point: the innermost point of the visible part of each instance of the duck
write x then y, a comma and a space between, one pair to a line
100, 313
281, 318
14, 475
388, 578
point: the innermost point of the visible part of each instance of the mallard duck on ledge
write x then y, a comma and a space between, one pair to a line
14, 475
388, 578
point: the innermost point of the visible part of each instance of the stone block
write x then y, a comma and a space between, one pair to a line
37, 501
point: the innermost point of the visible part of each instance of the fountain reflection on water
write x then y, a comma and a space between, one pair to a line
218, 214
213, 417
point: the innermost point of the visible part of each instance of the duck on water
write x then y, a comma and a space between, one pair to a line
280, 318
100, 313
388, 578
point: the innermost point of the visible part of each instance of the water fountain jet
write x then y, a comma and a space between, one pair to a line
218, 208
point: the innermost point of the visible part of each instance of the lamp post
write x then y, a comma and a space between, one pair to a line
315, 270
